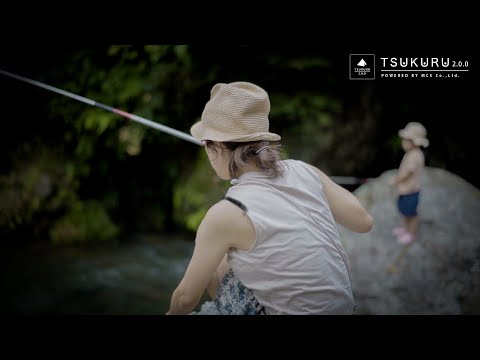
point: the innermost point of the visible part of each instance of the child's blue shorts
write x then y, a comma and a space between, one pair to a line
407, 204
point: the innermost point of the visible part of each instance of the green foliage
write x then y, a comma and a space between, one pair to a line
156, 52
168, 84
145, 177
86, 222
196, 193
395, 145
43, 184
97, 121
308, 119
37, 195
130, 139
152, 81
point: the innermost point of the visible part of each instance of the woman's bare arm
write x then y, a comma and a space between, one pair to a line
224, 226
346, 208
217, 277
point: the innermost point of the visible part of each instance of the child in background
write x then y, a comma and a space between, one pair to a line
407, 180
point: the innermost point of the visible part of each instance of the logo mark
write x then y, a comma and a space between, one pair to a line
362, 63
362, 66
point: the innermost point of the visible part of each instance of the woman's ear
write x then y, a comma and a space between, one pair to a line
224, 151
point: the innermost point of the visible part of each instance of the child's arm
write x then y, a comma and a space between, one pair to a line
345, 207
407, 168
403, 174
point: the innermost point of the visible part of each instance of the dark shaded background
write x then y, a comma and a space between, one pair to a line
358, 138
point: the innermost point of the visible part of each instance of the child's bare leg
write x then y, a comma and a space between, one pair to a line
412, 225
217, 277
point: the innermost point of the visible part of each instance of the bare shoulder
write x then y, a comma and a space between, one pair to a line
230, 223
420, 153
417, 154
223, 212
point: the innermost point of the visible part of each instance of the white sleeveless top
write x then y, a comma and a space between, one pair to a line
297, 265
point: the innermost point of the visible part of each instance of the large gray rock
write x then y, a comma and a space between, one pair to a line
437, 274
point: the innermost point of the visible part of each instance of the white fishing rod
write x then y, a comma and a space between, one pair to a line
346, 180
133, 117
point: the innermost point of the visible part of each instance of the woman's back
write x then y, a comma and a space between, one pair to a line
291, 257
297, 265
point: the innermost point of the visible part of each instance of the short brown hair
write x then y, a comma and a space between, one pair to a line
266, 159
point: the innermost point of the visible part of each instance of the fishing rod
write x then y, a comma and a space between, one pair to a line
85, 100
346, 180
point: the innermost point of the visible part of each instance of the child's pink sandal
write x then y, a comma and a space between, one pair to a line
399, 231
406, 238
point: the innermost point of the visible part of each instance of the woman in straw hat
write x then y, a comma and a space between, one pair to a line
407, 180
271, 246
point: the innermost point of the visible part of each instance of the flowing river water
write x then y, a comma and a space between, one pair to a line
136, 278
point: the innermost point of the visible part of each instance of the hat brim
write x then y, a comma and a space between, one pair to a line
201, 133
197, 130
418, 141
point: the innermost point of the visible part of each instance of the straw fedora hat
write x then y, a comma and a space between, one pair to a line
236, 112
415, 132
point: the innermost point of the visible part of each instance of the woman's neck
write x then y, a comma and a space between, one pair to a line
249, 167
